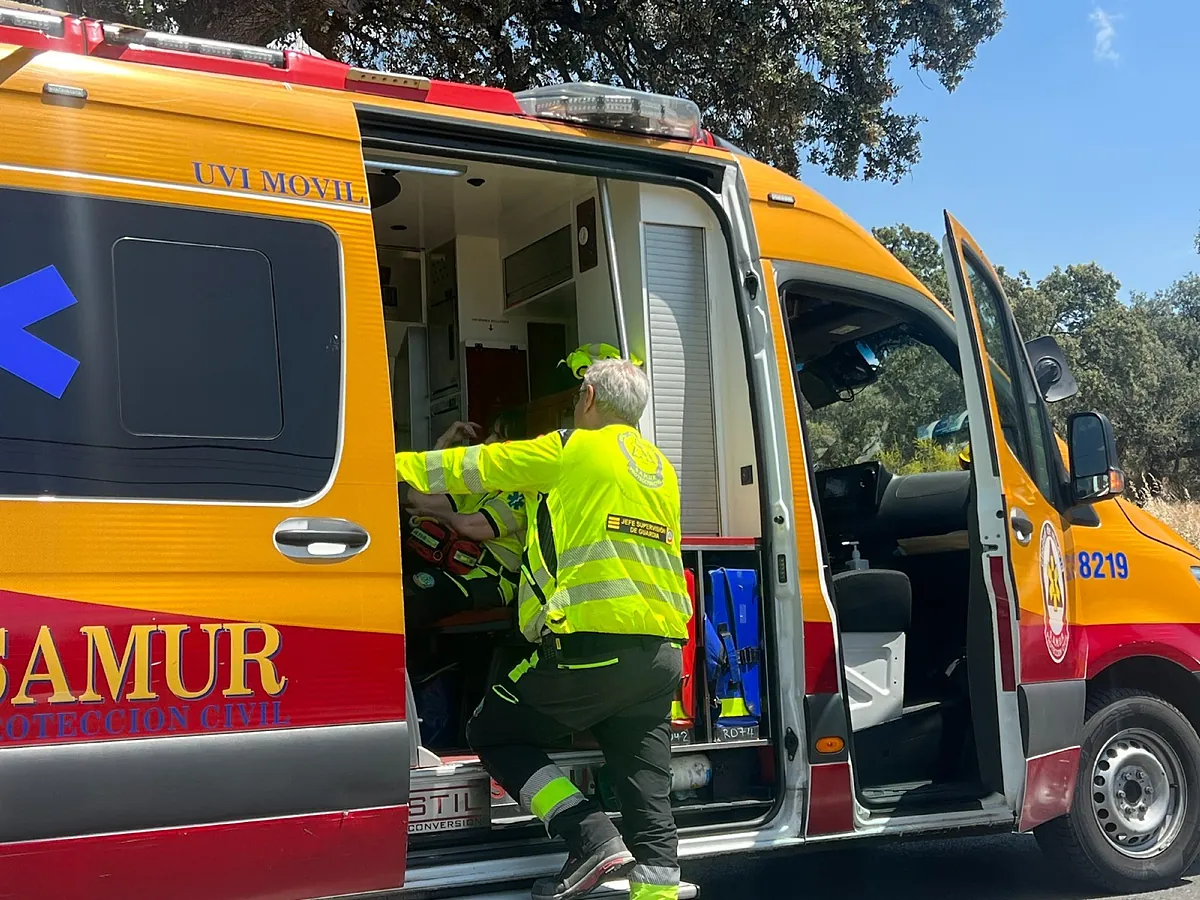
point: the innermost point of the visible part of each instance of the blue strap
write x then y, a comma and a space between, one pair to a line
729, 640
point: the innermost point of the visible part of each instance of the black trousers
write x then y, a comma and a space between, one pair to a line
619, 687
430, 594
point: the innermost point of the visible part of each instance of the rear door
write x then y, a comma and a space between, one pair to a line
1026, 540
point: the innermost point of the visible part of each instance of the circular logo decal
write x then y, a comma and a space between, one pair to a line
1054, 594
424, 580
645, 462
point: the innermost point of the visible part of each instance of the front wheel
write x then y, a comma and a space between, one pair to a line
1134, 823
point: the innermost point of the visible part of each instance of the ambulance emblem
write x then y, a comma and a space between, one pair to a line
1054, 594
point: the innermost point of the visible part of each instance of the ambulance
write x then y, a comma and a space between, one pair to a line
235, 280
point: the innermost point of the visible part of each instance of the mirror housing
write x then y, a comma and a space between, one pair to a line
1095, 472
1050, 369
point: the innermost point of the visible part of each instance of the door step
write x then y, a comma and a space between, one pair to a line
459, 795
919, 795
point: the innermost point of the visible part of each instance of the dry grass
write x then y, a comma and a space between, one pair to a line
1177, 509
1182, 515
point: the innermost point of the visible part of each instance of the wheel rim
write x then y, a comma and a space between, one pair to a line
1139, 794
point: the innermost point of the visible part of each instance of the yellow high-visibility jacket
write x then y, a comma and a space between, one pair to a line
505, 513
602, 547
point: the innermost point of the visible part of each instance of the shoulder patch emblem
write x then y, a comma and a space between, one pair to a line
645, 460
515, 500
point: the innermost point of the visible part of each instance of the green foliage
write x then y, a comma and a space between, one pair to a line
789, 81
924, 456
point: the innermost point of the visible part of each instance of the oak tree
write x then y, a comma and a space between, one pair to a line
792, 82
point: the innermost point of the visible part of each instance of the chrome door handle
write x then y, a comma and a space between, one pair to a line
320, 540
1022, 526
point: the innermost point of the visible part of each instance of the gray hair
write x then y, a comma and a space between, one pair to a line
622, 389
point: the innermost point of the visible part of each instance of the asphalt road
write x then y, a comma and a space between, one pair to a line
973, 869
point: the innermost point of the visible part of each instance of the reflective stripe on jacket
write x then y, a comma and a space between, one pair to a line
602, 547
505, 513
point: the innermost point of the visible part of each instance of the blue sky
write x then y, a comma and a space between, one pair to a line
1075, 138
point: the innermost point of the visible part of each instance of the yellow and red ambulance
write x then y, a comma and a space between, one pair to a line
234, 280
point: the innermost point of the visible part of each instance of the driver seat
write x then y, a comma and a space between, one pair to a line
874, 608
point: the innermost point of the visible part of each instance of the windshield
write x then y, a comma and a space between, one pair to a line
911, 417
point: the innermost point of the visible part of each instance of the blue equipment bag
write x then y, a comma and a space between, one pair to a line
733, 645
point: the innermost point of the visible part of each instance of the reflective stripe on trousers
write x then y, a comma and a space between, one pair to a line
638, 891
654, 883
548, 792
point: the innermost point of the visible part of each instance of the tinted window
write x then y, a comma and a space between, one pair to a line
1016, 398
208, 348
220, 377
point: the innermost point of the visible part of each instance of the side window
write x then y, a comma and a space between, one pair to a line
912, 418
875, 387
205, 346
1016, 396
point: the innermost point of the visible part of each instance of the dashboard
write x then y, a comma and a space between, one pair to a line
868, 504
851, 489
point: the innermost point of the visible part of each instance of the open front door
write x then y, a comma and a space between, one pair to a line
1025, 542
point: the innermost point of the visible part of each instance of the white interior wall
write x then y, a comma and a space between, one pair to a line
735, 432
481, 317
597, 317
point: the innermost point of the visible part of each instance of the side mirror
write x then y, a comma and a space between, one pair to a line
1095, 472
1050, 369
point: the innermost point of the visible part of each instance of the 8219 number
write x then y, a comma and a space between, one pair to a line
1103, 565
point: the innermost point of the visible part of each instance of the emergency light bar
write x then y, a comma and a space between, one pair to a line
46, 23
128, 35
615, 108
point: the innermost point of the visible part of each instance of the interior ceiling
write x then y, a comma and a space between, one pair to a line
820, 325
432, 209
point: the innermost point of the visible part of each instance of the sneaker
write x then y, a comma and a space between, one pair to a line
610, 861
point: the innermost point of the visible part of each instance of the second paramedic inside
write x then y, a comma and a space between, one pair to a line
603, 598
493, 523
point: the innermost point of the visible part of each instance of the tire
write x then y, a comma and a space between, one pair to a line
1102, 840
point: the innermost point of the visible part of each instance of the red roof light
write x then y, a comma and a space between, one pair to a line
54, 31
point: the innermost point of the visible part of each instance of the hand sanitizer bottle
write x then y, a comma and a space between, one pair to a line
856, 560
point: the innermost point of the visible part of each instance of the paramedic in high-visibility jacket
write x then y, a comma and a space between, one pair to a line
604, 600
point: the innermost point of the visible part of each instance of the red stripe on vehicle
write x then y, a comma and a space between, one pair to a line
87, 672
830, 799
820, 659
1008, 676
1049, 787
322, 855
